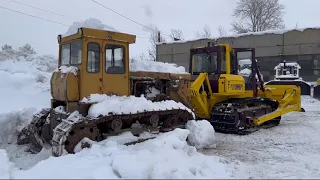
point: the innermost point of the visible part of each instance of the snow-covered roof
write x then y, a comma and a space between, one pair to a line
92, 23
243, 34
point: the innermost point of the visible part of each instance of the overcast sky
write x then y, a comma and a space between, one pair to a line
187, 15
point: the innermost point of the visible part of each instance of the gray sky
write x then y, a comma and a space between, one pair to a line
187, 15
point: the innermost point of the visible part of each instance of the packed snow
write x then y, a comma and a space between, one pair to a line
155, 66
105, 105
168, 156
201, 134
289, 150
88, 23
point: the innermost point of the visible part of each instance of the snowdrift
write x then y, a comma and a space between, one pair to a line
167, 156
24, 87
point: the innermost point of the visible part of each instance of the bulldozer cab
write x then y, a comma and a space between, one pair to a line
221, 59
102, 61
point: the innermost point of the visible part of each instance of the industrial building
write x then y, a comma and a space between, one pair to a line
298, 45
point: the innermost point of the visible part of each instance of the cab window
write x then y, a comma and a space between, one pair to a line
115, 59
205, 62
71, 53
93, 65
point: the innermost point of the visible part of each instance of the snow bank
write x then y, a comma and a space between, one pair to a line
24, 90
4, 165
88, 23
168, 156
154, 66
25, 81
104, 105
201, 134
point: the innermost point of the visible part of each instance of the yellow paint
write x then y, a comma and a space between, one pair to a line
74, 88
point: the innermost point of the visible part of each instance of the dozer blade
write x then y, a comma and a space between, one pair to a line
305, 87
247, 115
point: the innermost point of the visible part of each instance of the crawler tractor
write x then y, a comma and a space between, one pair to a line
287, 73
100, 62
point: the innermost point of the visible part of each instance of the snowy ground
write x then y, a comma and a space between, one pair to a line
290, 150
25, 88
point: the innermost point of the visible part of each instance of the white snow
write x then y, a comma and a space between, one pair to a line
24, 90
155, 66
245, 72
4, 165
88, 23
67, 69
168, 156
201, 134
104, 104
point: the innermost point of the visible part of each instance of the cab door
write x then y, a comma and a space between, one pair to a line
92, 72
116, 75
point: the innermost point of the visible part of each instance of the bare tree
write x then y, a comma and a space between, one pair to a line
176, 34
154, 39
258, 15
205, 33
222, 31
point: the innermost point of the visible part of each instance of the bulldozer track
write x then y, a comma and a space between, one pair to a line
236, 115
72, 128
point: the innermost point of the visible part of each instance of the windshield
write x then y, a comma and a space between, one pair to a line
205, 62
289, 70
71, 53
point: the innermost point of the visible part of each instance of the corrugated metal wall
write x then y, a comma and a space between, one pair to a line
300, 46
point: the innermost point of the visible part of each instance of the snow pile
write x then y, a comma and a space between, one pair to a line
12, 123
168, 156
88, 23
201, 134
67, 69
25, 81
154, 66
104, 105
24, 89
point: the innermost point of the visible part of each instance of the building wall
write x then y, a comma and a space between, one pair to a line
299, 46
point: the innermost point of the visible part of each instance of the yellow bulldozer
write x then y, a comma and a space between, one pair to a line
98, 63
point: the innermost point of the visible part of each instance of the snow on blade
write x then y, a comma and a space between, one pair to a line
201, 134
67, 69
88, 23
154, 66
168, 156
104, 104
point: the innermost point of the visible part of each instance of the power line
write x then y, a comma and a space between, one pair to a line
42, 9
126, 17
48, 20
51, 12
33, 16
